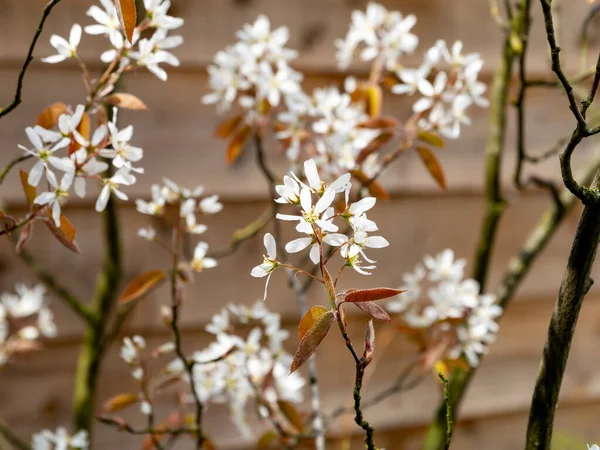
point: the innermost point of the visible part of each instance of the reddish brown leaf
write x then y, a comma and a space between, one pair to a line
291, 414
374, 310
119, 402
175, 420
369, 341
370, 295
24, 237
374, 187
380, 122
49, 116
30, 191
431, 138
309, 319
141, 285
125, 101
376, 144
65, 234
433, 165
127, 16
237, 144
226, 128
312, 339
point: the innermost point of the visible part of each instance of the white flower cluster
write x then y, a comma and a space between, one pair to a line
255, 70
448, 84
82, 163
327, 126
147, 52
450, 309
59, 439
385, 36
24, 318
246, 361
190, 204
315, 221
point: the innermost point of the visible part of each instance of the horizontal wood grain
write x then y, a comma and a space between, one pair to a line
314, 25
501, 389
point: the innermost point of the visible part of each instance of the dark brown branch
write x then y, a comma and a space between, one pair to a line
575, 285
19, 91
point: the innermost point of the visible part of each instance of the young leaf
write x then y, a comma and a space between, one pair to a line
125, 101
376, 144
49, 116
374, 187
127, 16
374, 310
369, 342
65, 234
237, 144
291, 414
312, 339
119, 402
24, 237
265, 441
226, 128
433, 165
431, 138
370, 295
309, 319
141, 285
30, 191
374, 99
380, 122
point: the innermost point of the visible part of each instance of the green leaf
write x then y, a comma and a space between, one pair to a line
312, 339
431, 138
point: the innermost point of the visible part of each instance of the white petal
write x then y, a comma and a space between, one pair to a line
103, 198
270, 245
312, 174
376, 242
315, 254
35, 174
298, 245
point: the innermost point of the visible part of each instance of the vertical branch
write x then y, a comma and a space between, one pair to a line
574, 286
94, 346
359, 418
517, 269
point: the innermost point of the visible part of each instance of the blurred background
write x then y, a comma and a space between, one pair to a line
177, 135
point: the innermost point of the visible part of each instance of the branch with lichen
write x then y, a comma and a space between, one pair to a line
574, 286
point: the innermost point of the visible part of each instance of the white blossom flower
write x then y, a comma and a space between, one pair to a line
112, 184
147, 233
155, 207
269, 262
200, 261
45, 156
63, 48
26, 302
54, 199
122, 152
156, 10
210, 205
108, 20
60, 440
444, 266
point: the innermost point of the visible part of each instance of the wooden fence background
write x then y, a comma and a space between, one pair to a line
176, 133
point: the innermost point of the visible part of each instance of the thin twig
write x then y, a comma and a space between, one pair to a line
15, 441
12, 164
19, 91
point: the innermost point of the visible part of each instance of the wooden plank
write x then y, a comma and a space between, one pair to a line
314, 25
35, 393
413, 225
177, 136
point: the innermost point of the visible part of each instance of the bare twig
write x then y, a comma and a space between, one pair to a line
19, 91
15, 441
